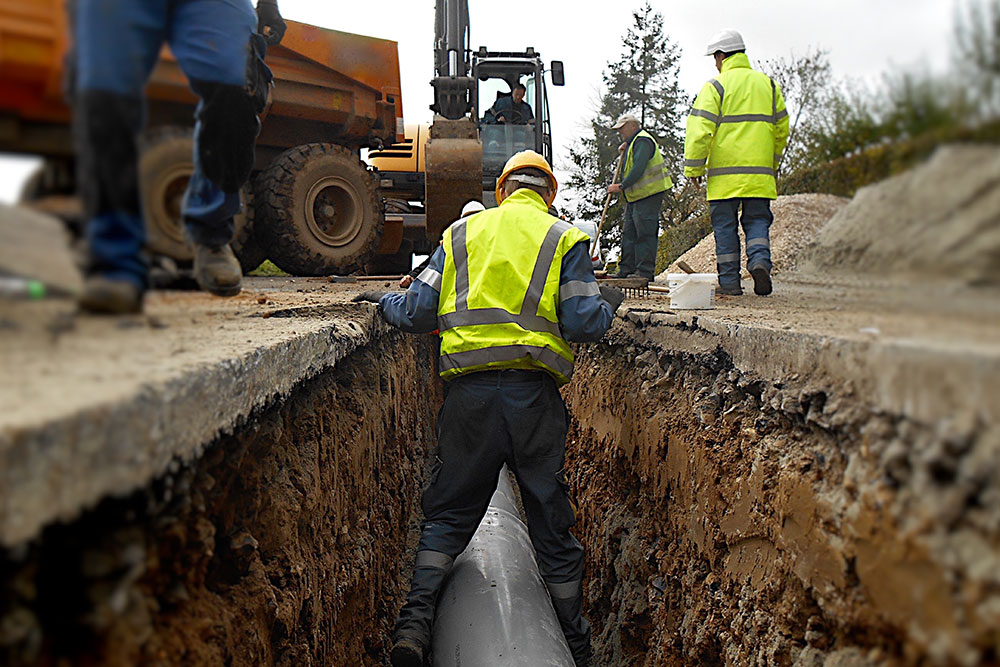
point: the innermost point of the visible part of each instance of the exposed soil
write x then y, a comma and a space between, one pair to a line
736, 519
286, 543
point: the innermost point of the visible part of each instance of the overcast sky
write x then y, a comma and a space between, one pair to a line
864, 37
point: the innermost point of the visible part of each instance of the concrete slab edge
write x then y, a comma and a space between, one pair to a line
55, 471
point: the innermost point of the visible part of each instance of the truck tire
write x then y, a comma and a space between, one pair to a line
165, 167
317, 212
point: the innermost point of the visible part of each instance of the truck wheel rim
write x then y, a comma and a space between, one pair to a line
168, 198
333, 211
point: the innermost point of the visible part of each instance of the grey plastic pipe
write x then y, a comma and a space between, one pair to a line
494, 609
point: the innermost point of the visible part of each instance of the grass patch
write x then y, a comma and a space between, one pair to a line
267, 269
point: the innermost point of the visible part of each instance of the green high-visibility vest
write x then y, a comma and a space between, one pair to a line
654, 179
737, 131
499, 303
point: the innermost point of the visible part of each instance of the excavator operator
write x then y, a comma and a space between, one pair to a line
510, 109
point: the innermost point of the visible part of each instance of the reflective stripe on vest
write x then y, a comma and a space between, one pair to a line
500, 290
654, 179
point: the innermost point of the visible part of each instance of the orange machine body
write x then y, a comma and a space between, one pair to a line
330, 86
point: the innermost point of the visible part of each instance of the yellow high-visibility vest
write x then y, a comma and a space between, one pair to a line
499, 303
737, 131
654, 179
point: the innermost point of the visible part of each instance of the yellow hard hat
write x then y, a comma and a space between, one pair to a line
524, 160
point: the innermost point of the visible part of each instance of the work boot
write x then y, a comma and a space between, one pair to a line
106, 296
416, 618
729, 291
217, 270
575, 627
761, 280
406, 652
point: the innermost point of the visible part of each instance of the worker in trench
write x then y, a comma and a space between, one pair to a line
220, 46
736, 133
508, 289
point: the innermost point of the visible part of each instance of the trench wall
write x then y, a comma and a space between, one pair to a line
283, 543
742, 505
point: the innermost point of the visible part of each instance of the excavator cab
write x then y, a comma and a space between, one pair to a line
497, 74
425, 180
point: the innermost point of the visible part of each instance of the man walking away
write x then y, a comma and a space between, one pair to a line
116, 45
738, 129
645, 181
508, 289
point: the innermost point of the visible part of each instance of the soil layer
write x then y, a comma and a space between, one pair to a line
732, 517
285, 543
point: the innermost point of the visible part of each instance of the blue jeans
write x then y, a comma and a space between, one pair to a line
117, 44
640, 231
756, 221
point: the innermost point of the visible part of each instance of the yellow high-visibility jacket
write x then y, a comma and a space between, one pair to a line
500, 290
738, 129
654, 179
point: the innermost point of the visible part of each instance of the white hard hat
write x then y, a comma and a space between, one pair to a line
726, 41
471, 207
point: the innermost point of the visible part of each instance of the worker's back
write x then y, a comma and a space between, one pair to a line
746, 113
501, 289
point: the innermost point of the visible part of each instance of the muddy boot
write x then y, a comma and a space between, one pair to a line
407, 652
569, 611
761, 280
217, 270
104, 296
416, 618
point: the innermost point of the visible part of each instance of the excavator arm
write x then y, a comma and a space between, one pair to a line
454, 153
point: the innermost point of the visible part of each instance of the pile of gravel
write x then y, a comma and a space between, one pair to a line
797, 220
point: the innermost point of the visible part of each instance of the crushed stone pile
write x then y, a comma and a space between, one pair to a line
797, 220
939, 222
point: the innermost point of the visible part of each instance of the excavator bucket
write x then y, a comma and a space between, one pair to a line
453, 173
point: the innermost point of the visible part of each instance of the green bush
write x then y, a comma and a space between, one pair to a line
846, 175
677, 240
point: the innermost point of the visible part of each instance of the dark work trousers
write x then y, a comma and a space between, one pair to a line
756, 222
489, 419
640, 230
117, 43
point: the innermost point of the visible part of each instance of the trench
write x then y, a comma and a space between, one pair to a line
728, 518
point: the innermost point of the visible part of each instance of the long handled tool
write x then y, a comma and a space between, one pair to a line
607, 203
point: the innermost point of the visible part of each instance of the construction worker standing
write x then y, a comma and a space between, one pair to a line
116, 45
644, 183
737, 130
508, 288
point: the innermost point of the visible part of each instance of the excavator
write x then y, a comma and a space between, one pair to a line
427, 178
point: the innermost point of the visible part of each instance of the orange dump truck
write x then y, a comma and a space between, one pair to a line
311, 202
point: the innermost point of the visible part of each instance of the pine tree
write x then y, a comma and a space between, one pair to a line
643, 82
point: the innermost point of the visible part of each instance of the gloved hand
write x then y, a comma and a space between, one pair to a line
373, 296
269, 17
613, 296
